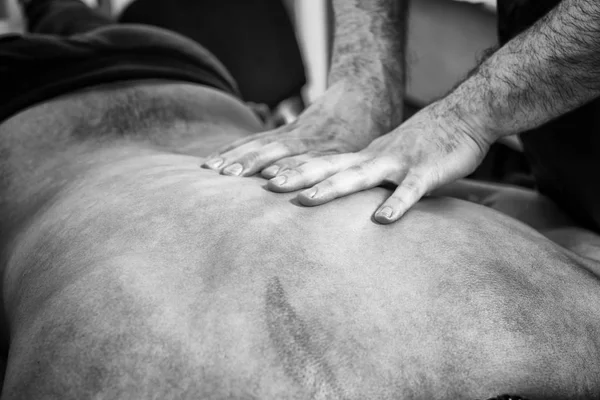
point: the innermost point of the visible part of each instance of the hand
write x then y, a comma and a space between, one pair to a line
429, 150
344, 119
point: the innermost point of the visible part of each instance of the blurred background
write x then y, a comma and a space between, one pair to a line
446, 37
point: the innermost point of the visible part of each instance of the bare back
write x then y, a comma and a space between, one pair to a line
217, 288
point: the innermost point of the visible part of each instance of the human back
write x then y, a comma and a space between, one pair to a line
232, 291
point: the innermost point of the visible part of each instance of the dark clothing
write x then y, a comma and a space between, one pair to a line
254, 39
72, 47
564, 154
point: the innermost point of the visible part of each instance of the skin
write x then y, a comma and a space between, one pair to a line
546, 71
363, 102
129, 272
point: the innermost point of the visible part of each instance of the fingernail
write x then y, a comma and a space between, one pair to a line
272, 170
280, 180
385, 212
234, 169
310, 193
215, 162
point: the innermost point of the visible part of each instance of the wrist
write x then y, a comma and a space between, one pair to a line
452, 117
350, 105
381, 98
470, 111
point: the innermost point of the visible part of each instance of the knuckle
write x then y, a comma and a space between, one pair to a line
289, 164
330, 161
299, 170
412, 185
390, 162
359, 174
397, 201
415, 187
281, 163
305, 167
284, 164
285, 169
250, 158
291, 171
434, 176
357, 169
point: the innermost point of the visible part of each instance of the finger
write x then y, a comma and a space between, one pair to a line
313, 171
215, 161
362, 176
224, 160
288, 163
408, 193
240, 142
244, 162
231, 157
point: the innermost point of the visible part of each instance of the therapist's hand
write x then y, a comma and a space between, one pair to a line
431, 149
345, 119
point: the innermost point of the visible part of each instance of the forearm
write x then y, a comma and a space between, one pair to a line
548, 70
369, 48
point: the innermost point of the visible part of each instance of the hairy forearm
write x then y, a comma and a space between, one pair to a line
369, 47
548, 70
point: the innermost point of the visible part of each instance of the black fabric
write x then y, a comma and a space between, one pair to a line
73, 47
254, 39
564, 154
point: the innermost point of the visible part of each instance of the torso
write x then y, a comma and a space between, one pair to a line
454, 300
